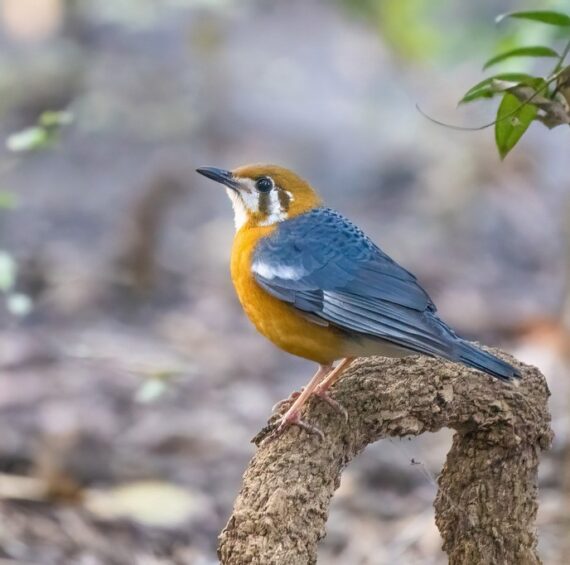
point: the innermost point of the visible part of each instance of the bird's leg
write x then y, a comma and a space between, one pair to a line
334, 375
322, 388
286, 402
293, 414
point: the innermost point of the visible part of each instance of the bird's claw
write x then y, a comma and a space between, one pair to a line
334, 404
309, 428
292, 419
278, 407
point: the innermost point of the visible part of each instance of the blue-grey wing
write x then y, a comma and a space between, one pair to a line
325, 266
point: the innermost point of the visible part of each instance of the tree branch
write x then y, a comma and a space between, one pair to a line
486, 504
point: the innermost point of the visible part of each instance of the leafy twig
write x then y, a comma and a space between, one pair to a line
495, 121
513, 119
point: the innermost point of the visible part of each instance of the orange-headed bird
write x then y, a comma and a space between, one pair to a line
316, 286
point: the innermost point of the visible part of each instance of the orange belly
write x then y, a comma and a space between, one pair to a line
276, 320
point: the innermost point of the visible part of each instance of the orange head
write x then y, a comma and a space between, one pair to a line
263, 195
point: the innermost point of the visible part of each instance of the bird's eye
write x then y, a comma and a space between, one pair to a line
264, 184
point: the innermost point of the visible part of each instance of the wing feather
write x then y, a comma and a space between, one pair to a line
326, 267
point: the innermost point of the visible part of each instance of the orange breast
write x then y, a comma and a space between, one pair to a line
276, 320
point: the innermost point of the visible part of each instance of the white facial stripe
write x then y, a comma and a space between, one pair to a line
249, 195
240, 211
277, 271
248, 185
247, 202
276, 213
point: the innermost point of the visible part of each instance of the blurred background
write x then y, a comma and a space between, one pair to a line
130, 381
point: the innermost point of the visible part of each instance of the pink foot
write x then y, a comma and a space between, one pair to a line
278, 407
292, 418
335, 405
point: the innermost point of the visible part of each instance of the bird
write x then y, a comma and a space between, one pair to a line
318, 287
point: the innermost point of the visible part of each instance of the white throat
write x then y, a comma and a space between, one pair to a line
240, 212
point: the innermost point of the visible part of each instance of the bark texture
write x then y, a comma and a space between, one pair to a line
487, 499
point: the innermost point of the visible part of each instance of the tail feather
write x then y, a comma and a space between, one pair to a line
477, 358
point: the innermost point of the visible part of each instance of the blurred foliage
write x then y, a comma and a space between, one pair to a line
17, 303
42, 135
529, 51
8, 200
7, 272
406, 25
525, 97
28, 139
142, 14
154, 386
413, 28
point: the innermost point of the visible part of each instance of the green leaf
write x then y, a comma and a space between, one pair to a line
484, 89
486, 92
41, 135
513, 119
8, 200
534, 51
7, 272
543, 16
51, 119
28, 139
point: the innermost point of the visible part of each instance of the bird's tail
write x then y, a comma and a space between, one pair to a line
474, 357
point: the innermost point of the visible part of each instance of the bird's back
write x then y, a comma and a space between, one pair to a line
326, 268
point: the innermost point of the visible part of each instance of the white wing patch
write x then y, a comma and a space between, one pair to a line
269, 272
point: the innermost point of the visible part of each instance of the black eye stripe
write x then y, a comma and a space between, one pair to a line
264, 203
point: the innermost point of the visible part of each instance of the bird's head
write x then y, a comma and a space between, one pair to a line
263, 195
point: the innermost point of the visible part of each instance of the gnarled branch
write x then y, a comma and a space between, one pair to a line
486, 504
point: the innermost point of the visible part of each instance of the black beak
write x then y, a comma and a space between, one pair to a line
219, 175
